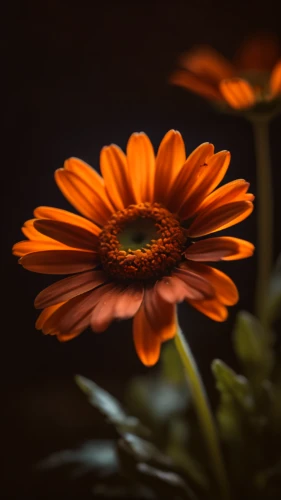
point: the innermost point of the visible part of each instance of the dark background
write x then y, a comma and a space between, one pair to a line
79, 77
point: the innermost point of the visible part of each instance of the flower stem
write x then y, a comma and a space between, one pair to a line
264, 212
204, 414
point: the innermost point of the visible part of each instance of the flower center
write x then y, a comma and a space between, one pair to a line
142, 242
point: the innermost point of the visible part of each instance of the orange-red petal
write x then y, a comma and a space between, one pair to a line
59, 261
160, 314
169, 160
84, 189
207, 63
65, 216
275, 80
147, 341
114, 169
117, 303
225, 290
209, 221
26, 247
220, 248
204, 181
211, 308
68, 288
141, 167
238, 93
45, 315
230, 192
188, 80
187, 174
68, 234
258, 53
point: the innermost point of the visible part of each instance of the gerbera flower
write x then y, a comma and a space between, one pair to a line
252, 79
136, 252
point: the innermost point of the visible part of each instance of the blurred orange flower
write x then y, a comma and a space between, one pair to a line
252, 78
136, 249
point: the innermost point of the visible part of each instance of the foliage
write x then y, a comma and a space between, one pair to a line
159, 451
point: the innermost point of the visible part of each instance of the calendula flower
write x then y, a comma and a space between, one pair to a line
252, 80
136, 250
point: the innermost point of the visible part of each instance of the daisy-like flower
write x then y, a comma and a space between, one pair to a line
251, 81
137, 251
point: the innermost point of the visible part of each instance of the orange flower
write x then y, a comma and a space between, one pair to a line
252, 79
136, 251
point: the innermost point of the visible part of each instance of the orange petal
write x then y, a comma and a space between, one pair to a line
220, 218
68, 234
85, 190
187, 80
238, 93
203, 181
116, 304
26, 247
65, 216
225, 289
170, 158
59, 261
258, 53
221, 248
195, 283
188, 171
211, 308
75, 314
207, 63
141, 165
173, 290
31, 233
114, 168
68, 288
275, 80
233, 191
45, 315
160, 314
147, 341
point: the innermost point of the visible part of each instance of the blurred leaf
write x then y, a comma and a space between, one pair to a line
110, 407
171, 364
272, 306
167, 484
156, 400
232, 386
236, 399
97, 455
133, 492
143, 451
253, 346
177, 449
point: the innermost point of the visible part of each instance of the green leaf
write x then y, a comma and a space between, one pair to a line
272, 308
143, 451
110, 407
253, 346
156, 400
167, 484
97, 455
236, 401
178, 450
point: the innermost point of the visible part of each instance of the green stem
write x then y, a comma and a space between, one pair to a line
204, 414
264, 212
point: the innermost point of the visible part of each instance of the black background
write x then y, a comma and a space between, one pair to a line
80, 76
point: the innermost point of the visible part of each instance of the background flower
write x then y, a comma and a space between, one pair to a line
252, 78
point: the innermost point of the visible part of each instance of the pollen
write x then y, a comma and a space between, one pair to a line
142, 242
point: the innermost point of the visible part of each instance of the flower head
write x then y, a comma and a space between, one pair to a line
136, 250
251, 81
